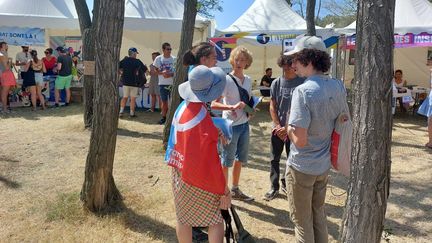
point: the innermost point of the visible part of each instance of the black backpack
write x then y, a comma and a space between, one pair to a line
140, 77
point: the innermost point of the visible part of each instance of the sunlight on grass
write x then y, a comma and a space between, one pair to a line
67, 206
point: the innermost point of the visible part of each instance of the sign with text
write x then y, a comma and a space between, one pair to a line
22, 36
400, 41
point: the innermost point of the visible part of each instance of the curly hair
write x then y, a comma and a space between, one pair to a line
193, 56
320, 60
241, 50
284, 60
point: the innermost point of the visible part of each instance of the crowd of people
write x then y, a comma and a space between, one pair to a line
304, 105
31, 70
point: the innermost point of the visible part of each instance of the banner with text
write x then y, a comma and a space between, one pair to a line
400, 41
22, 36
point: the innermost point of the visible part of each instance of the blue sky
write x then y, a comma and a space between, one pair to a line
232, 9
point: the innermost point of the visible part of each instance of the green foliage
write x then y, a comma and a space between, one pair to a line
339, 21
207, 7
67, 206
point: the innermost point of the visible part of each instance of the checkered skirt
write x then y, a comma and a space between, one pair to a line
194, 206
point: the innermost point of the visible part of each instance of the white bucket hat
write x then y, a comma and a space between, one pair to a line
204, 84
308, 42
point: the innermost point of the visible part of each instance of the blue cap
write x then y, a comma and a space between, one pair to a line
133, 49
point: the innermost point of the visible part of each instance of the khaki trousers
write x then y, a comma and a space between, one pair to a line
306, 197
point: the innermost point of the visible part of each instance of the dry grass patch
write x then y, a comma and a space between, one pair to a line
42, 159
66, 207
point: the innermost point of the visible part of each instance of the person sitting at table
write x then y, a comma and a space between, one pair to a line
400, 84
266, 81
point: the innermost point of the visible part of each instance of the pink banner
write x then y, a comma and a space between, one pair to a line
400, 41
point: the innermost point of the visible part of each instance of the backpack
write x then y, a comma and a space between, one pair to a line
140, 77
341, 141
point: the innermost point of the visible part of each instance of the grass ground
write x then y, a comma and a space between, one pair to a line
42, 158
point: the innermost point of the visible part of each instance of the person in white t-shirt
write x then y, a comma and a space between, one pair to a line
236, 152
22, 58
164, 65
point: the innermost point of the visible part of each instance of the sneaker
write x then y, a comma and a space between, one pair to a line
239, 195
271, 194
57, 105
162, 121
149, 110
132, 115
121, 114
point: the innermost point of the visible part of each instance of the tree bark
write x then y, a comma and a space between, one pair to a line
371, 153
99, 192
88, 52
310, 17
186, 38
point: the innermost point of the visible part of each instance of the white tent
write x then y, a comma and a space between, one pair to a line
411, 16
148, 23
268, 15
262, 27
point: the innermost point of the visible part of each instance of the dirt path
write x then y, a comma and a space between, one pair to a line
42, 157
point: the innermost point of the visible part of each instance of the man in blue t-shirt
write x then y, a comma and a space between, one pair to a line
315, 106
280, 92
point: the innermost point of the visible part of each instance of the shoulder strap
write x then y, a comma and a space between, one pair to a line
234, 79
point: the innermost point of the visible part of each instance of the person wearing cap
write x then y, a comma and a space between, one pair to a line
129, 68
165, 68
198, 182
235, 154
315, 106
21, 59
280, 93
64, 75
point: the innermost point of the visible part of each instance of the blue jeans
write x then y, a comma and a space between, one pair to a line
238, 148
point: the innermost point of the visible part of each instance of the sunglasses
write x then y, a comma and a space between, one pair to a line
168, 49
46, 52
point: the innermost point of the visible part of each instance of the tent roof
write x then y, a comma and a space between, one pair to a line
152, 15
411, 16
268, 15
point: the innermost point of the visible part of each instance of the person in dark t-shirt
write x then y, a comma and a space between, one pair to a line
131, 68
266, 81
64, 77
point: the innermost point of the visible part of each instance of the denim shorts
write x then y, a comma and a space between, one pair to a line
165, 91
238, 148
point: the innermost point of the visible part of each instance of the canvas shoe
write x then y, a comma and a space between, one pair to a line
239, 195
270, 195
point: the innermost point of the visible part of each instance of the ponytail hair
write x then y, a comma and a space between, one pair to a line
193, 56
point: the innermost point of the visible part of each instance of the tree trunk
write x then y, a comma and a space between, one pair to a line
186, 38
310, 17
89, 80
88, 52
99, 192
370, 170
